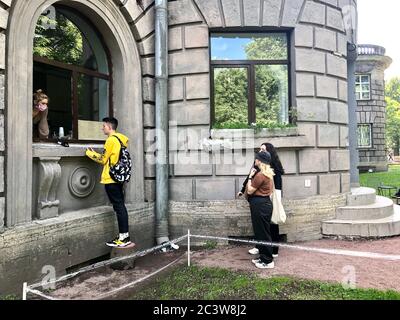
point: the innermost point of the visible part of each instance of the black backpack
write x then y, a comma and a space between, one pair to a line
122, 170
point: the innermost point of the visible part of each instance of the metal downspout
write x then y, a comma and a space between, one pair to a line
161, 111
353, 141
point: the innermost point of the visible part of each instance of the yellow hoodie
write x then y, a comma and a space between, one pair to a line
111, 151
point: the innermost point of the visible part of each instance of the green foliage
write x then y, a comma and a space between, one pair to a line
219, 284
9, 297
63, 42
210, 245
256, 127
230, 90
392, 89
392, 123
272, 47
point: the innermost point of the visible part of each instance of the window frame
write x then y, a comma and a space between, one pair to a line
75, 72
358, 76
250, 65
371, 145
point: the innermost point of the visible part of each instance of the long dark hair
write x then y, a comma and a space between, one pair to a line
275, 161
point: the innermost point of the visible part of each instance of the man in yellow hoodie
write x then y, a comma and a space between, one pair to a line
114, 190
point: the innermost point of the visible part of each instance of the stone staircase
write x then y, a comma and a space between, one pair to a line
365, 216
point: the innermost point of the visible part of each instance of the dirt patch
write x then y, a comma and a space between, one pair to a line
100, 282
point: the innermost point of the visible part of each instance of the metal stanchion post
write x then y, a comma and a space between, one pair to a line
188, 253
24, 287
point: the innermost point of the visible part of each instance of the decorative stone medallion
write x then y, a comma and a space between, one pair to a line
81, 182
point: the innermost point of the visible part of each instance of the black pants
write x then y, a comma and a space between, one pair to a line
115, 194
275, 237
261, 212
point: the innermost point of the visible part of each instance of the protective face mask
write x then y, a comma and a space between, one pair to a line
41, 107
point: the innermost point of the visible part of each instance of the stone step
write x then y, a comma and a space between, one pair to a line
371, 228
382, 208
361, 196
126, 264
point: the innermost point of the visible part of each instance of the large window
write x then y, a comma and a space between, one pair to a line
363, 87
364, 133
250, 79
72, 66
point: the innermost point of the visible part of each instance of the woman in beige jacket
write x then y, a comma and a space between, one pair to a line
39, 114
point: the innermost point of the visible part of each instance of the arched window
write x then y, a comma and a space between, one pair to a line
72, 66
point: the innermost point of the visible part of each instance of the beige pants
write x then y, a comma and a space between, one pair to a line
40, 121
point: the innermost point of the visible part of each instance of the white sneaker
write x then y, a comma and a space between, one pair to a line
254, 251
275, 255
255, 261
262, 265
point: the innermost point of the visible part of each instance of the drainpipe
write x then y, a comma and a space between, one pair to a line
161, 110
353, 141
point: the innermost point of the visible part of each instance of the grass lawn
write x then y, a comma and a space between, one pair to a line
373, 180
197, 283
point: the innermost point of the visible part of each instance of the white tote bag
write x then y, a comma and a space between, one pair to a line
278, 212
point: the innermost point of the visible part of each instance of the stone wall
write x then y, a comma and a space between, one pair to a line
65, 242
4, 9
319, 73
205, 164
232, 218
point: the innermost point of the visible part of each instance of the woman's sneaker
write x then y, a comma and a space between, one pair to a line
255, 261
116, 243
263, 265
254, 251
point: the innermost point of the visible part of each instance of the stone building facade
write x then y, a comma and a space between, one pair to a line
50, 200
371, 106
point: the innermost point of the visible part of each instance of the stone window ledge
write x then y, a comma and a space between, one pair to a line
283, 138
55, 150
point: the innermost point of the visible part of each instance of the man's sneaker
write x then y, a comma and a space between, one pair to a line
116, 243
254, 251
255, 261
263, 265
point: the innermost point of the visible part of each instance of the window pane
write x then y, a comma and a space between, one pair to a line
272, 100
249, 46
62, 35
365, 87
230, 97
93, 98
56, 83
93, 106
365, 79
364, 136
366, 95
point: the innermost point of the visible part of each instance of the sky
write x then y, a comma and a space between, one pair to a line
379, 23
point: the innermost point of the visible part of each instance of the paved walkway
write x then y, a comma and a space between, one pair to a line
369, 273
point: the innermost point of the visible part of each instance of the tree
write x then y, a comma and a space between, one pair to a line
62, 41
392, 89
393, 125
